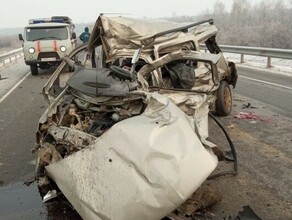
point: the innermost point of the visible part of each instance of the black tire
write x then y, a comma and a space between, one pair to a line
224, 99
34, 70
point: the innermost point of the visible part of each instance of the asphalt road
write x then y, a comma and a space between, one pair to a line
269, 87
263, 145
19, 114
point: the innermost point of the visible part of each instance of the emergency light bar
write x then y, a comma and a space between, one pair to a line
55, 19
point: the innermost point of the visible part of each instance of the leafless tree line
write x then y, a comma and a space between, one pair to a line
267, 24
9, 42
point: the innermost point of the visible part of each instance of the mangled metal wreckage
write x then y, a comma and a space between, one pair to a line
127, 140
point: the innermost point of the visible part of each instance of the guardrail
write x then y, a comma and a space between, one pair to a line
11, 56
257, 51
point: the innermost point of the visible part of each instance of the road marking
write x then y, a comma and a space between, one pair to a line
266, 82
14, 87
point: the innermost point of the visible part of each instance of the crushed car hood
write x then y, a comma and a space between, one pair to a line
136, 172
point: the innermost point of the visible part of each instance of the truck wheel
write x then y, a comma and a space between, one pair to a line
34, 70
224, 99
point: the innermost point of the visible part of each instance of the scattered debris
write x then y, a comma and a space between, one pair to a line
231, 126
50, 195
239, 99
254, 117
29, 182
247, 115
43, 181
248, 105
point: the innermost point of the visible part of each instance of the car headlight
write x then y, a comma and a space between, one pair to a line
31, 50
63, 49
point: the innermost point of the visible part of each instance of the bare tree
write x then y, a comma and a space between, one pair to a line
219, 8
267, 24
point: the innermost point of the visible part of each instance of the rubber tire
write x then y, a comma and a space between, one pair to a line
223, 103
34, 70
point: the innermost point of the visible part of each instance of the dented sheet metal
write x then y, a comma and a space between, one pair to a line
134, 171
121, 35
128, 140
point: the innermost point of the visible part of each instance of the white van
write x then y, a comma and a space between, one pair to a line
46, 41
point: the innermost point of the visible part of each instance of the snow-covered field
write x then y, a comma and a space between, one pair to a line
283, 66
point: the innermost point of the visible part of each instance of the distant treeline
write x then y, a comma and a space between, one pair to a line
268, 24
10, 42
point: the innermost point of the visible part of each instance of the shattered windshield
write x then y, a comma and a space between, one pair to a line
46, 33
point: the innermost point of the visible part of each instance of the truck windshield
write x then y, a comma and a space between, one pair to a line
46, 33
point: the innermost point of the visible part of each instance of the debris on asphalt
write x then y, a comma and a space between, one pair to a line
248, 105
231, 126
50, 195
253, 117
239, 99
247, 115
29, 181
43, 181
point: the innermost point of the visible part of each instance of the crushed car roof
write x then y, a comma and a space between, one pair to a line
133, 33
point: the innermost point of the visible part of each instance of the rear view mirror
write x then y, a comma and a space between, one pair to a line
73, 35
20, 37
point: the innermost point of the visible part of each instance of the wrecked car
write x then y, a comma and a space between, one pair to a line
125, 133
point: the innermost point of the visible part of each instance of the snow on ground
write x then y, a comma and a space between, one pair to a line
281, 66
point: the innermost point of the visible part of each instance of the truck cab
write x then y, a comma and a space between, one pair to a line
46, 41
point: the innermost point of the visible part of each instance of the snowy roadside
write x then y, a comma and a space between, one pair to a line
279, 66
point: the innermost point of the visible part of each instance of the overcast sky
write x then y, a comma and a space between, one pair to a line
16, 13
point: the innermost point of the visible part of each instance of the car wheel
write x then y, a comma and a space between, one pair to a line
224, 99
34, 69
